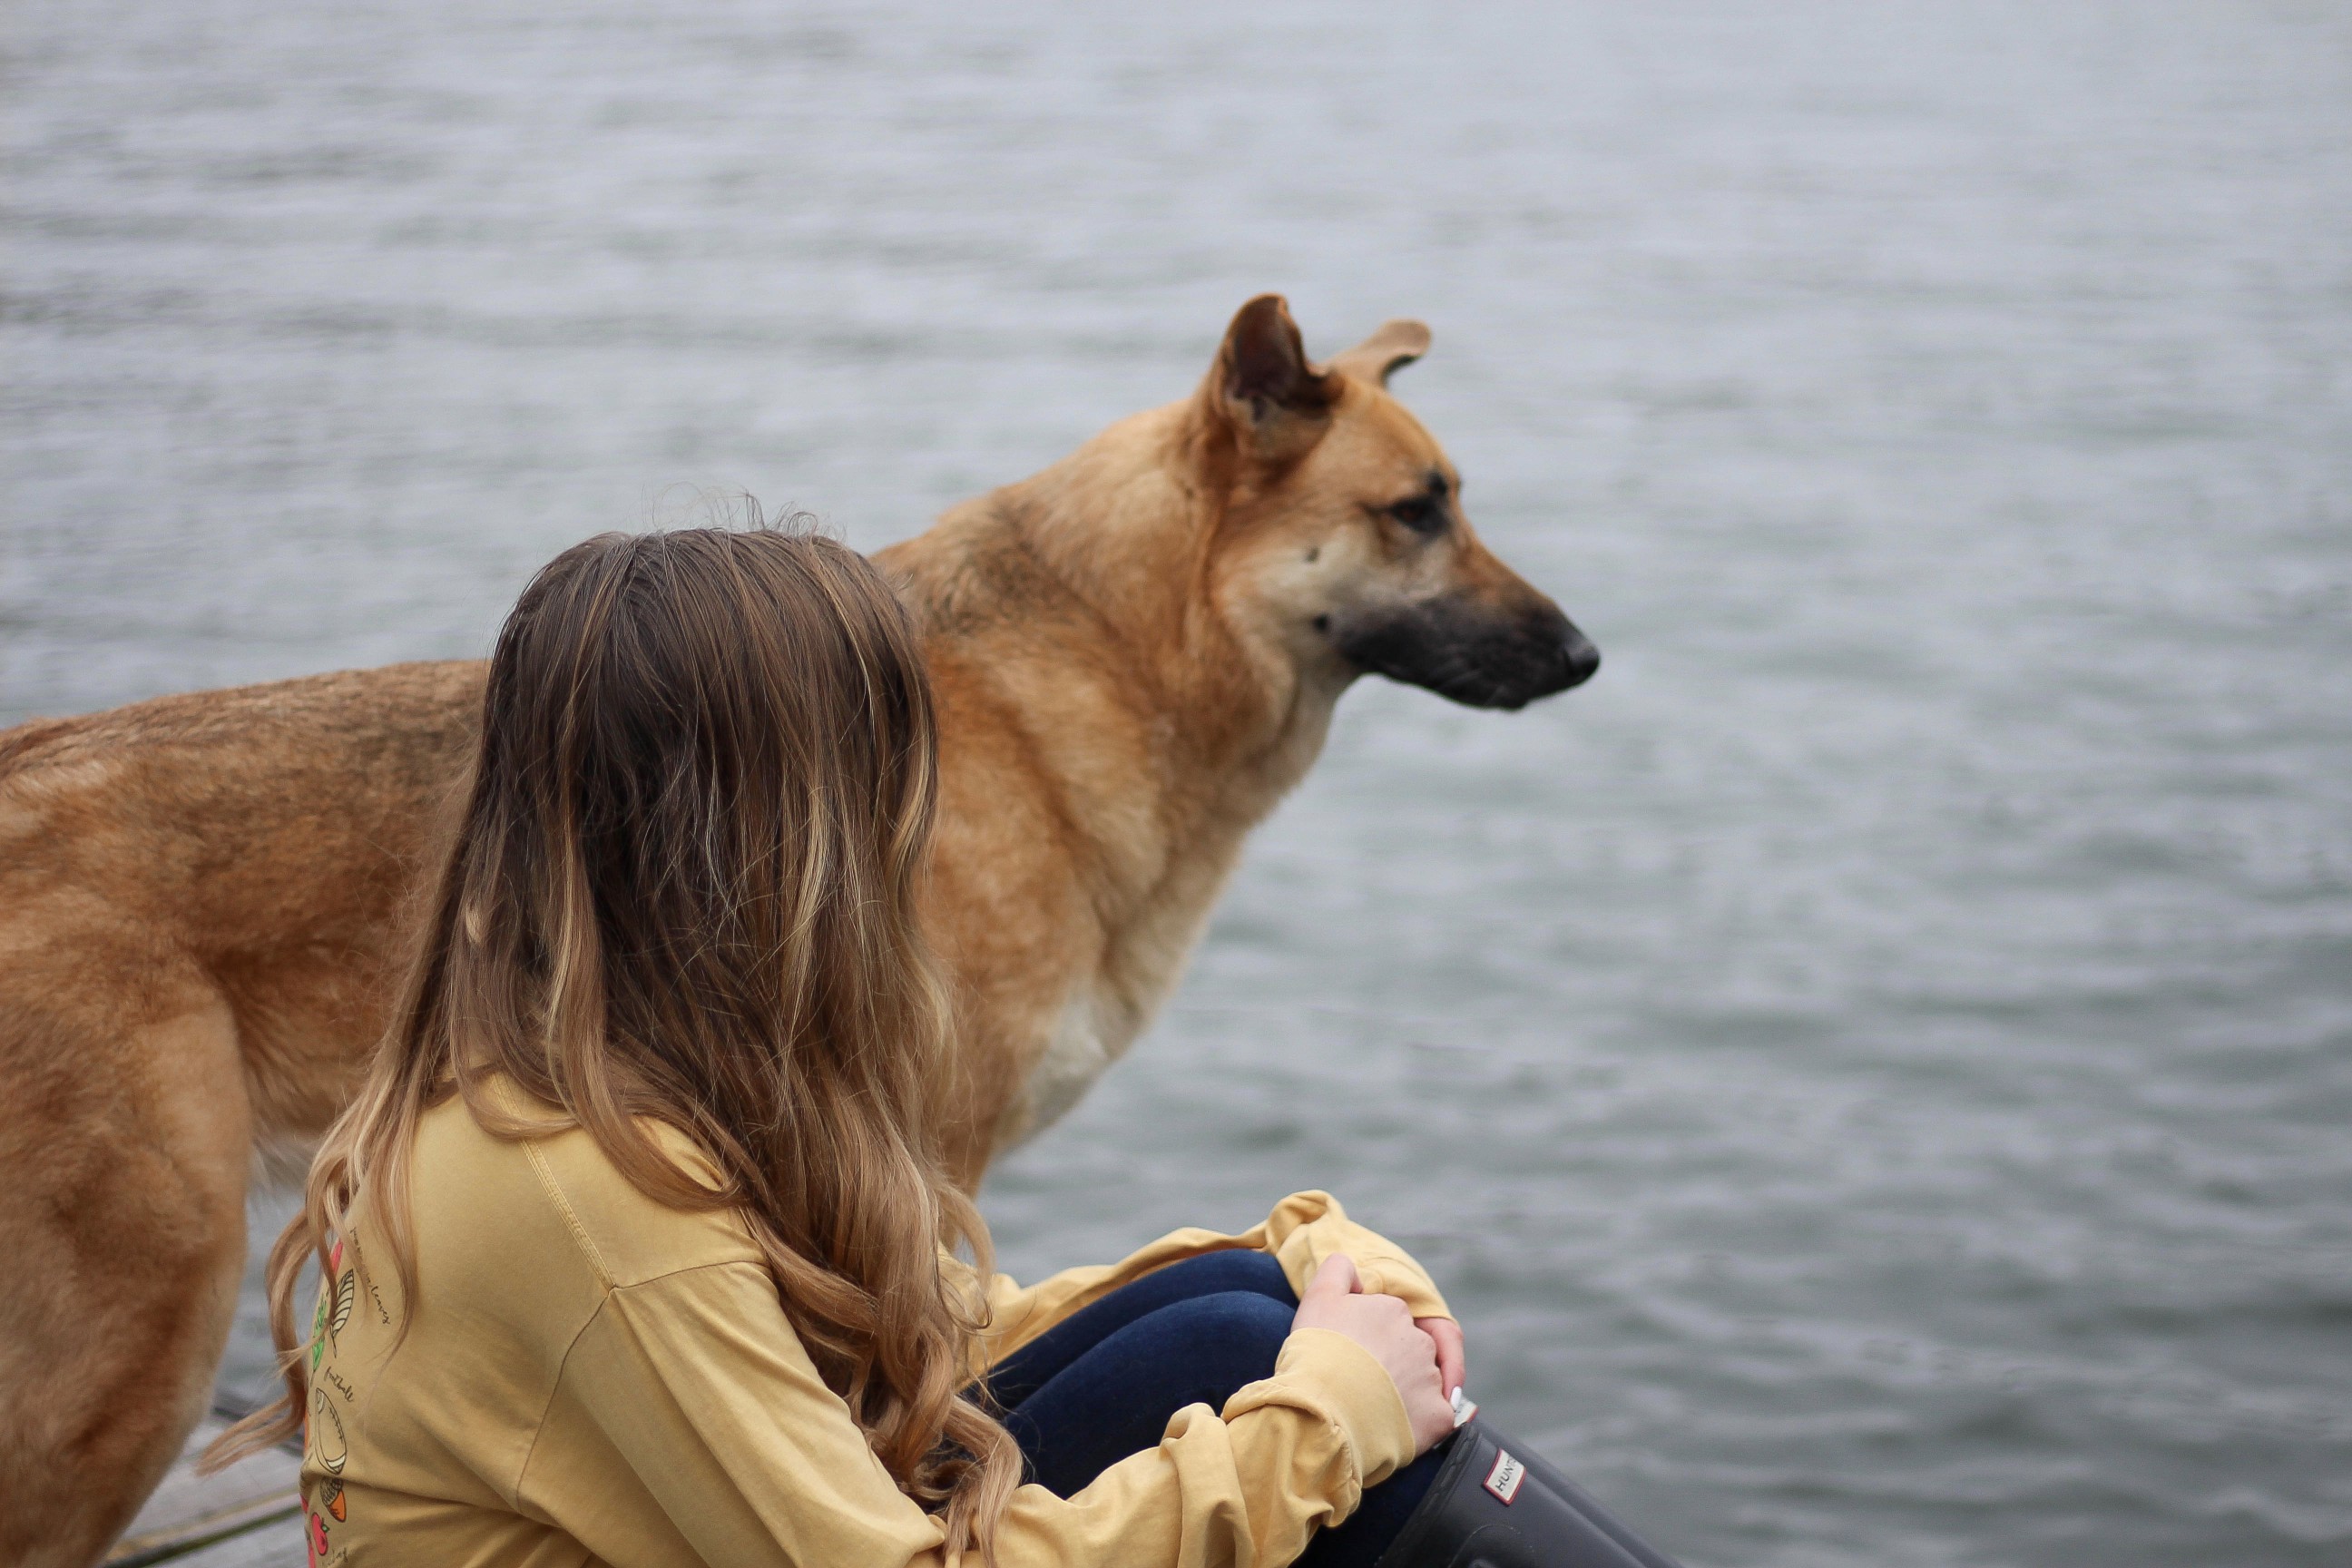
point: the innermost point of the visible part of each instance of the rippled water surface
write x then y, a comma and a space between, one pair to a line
1875, 1066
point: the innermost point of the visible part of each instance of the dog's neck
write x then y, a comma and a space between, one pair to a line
1102, 685
1105, 561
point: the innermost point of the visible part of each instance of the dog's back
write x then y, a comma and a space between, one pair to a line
204, 820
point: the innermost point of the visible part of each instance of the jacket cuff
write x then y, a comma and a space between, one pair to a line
1342, 1381
1306, 1227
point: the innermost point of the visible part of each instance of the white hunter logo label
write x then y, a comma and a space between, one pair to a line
1504, 1480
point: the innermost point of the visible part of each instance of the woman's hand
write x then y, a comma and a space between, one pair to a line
1335, 1300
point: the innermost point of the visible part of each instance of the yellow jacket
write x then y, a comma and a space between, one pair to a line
594, 1377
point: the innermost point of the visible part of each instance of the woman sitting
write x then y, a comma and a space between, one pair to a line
635, 1248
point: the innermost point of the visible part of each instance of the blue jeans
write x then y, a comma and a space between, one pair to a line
1101, 1385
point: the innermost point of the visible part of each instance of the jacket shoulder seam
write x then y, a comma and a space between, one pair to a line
563, 1367
562, 1202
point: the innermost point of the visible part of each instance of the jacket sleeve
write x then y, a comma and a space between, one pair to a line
697, 1385
1304, 1229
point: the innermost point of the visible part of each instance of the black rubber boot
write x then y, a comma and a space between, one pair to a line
1496, 1505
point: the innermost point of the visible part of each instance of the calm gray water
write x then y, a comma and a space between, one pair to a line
1875, 1067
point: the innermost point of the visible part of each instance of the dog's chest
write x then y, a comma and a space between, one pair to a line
1077, 1052
1110, 1003
1108, 1007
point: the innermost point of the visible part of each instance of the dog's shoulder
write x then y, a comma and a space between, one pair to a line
978, 568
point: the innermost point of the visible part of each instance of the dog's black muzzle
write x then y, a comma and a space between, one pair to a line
1496, 1505
1463, 650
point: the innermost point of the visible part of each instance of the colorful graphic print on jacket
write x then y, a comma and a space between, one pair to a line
325, 1444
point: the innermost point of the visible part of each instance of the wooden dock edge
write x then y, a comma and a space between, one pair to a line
189, 1515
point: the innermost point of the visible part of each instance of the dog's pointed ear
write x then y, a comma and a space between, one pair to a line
1262, 380
1388, 350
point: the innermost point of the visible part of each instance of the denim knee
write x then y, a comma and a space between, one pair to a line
1226, 1340
1214, 1273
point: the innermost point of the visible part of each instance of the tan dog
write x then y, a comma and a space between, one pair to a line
1137, 652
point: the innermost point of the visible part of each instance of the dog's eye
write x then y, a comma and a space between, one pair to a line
1421, 514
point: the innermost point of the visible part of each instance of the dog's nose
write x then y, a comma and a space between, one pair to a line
1580, 658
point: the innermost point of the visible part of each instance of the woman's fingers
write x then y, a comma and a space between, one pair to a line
1335, 1276
1425, 1404
1452, 1364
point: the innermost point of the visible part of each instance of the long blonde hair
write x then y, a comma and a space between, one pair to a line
684, 889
